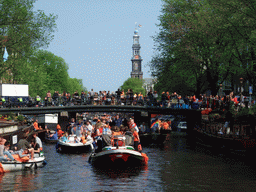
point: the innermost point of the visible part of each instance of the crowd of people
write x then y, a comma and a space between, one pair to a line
102, 130
120, 97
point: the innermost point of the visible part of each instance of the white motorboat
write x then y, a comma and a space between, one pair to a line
9, 166
73, 147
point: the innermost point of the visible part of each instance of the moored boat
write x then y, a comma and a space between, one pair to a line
72, 147
9, 166
118, 156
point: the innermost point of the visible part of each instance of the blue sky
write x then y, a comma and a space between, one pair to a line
95, 37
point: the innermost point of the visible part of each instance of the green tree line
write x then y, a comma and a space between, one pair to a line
25, 32
202, 43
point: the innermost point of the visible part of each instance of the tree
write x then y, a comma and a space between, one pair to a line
22, 31
191, 40
240, 18
135, 84
48, 72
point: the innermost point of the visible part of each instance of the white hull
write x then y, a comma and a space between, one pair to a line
121, 150
74, 147
19, 166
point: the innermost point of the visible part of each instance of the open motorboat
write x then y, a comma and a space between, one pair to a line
118, 155
73, 147
22, 163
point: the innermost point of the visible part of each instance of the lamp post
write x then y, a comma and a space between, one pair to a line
241, 96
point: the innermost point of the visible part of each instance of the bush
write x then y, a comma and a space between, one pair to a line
9, 118
20, 118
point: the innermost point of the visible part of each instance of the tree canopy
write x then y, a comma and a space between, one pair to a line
202, 43
48, 72
22, 31
135, 84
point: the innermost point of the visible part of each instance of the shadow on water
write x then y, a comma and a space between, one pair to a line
120, 172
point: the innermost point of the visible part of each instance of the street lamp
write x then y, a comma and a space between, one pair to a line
241, 96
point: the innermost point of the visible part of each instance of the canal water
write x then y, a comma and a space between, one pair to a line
174, 166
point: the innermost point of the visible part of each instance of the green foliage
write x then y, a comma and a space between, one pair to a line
135, 84
9, 118
48, 72
20, 118
22, 30
202, 43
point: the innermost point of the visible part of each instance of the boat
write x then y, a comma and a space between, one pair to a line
119, 155
231, 144
20, 165
73, 147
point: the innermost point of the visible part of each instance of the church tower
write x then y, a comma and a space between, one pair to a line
136, 58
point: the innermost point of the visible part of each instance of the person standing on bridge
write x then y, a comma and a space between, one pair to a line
92, 96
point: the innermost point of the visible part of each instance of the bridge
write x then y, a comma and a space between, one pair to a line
141, 113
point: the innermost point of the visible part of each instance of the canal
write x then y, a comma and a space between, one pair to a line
174, 166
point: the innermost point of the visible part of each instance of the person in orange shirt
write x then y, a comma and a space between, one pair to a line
58, 126
59, 131
165, 125
35, 124
136, 139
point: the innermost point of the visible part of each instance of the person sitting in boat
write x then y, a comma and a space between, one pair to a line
4, 151
76, 139
88, 126
23, 144
136, 139
60, 133
35, 145
115, 134
35, 124
79, 128
98, 138
88, 136
38, 140
64, 138
106, 135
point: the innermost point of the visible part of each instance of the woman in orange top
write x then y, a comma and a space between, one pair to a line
115, 133
136, 139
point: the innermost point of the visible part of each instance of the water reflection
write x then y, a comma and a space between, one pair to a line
172, 166
21, 181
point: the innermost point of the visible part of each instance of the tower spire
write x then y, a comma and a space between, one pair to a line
136, 58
